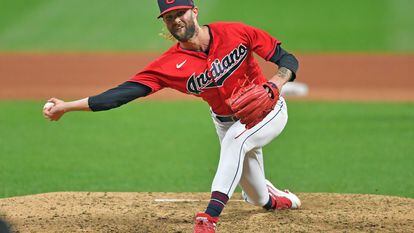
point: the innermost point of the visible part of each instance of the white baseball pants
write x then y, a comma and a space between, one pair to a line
241, 158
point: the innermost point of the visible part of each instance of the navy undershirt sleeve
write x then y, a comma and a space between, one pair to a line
284, 59
118, 96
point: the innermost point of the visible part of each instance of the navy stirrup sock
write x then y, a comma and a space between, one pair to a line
217, 202
269, 205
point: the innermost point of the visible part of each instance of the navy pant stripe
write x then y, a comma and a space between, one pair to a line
241, 148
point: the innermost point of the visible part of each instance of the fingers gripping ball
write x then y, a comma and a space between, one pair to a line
48, 105
253, 102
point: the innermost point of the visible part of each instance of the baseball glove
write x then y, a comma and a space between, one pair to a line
253, 102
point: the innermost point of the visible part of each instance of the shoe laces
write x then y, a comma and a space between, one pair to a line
280, 202
204, 225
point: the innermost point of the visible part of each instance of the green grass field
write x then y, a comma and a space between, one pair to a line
150, 146
131, 25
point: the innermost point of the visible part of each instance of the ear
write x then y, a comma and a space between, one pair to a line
195, 11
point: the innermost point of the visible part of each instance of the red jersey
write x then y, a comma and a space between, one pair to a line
213, 76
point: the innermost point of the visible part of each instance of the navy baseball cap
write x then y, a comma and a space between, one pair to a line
170, 5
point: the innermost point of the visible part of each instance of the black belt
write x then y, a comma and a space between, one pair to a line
227, 118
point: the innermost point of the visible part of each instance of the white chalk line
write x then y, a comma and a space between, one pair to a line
186, 200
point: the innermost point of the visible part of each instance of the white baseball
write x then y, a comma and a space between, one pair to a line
48, 105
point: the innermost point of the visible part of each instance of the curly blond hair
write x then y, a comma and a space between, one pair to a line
166, 35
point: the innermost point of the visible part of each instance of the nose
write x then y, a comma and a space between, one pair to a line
177, 20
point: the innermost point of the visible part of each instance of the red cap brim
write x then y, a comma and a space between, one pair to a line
174, 8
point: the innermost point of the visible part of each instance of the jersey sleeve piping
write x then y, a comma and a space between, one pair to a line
272, 52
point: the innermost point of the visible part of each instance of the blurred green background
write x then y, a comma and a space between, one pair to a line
131, 25
149, 146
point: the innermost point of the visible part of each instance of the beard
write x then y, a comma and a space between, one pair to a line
185, 33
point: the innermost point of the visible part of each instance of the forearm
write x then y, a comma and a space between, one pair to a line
118, 96
282, 76
109, 99
288, 66
77, 105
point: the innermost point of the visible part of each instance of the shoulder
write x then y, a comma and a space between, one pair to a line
169, 56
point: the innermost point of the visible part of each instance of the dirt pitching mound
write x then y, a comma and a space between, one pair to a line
173, 212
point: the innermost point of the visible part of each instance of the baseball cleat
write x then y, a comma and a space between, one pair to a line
282, 199
204, 223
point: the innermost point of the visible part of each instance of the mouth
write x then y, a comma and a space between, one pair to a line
178, 28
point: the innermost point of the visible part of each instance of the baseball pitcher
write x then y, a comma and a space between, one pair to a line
216, 62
